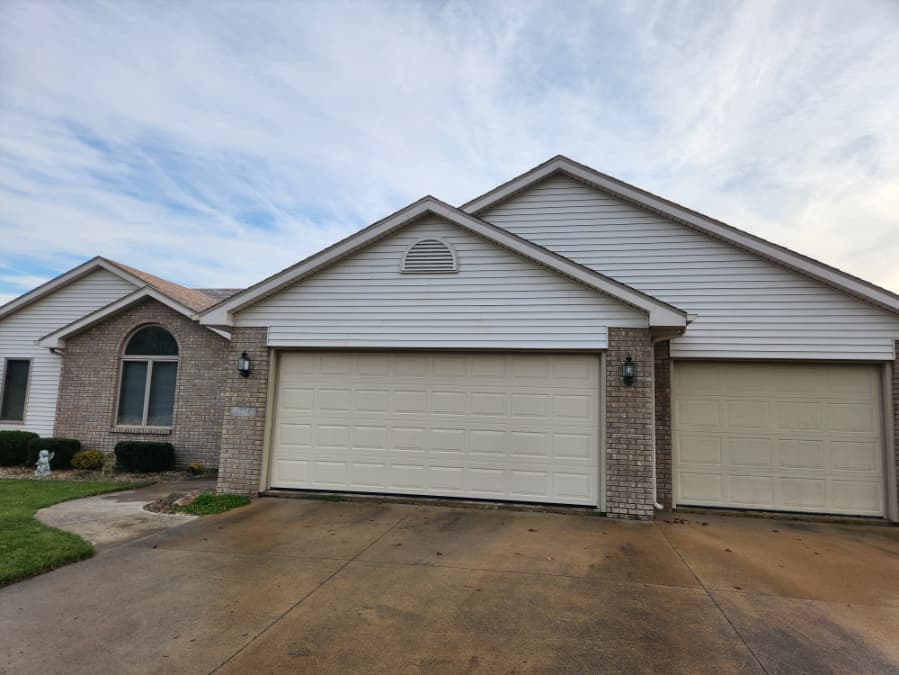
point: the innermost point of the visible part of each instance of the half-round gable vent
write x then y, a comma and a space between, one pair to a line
429, 256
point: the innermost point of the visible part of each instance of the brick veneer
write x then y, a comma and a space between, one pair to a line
629, 434
663, 422
243, 436
89, 383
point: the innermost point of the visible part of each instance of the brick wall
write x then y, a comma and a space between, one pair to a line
663, 422
629, 426
243, 435
89, 383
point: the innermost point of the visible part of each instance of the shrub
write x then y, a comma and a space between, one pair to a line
88, 459
63, 450
196, 468
145, 456
14, 447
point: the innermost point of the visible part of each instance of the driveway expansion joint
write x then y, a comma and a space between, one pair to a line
714, 600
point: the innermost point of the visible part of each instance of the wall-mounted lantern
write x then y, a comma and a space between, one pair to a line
243, 365
628, 370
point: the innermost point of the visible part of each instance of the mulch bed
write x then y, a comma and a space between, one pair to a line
98, 475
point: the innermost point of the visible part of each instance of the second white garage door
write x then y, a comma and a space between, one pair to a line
478, 425
789, 437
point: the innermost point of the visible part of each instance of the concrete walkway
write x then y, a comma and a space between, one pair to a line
117, 517
289, 585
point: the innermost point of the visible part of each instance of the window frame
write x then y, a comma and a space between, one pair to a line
150, 360
6, 360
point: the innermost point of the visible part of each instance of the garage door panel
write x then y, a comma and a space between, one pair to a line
292, 470
698, 487
750, 491
530, 444
300, 400
748, 452
803, 454
815, 442
699, 449
807, 494
858, 496
800, 415
852, 456
577, 447
852, 417
747, 414
440, 424
692, 413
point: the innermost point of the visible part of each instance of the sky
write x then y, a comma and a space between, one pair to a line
215, 143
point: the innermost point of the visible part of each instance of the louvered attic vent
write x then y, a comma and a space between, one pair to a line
429, 256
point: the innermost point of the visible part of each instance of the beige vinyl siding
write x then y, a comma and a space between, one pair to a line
747, 307
20, 331
498, 299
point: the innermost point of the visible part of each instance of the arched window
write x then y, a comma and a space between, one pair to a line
149, 368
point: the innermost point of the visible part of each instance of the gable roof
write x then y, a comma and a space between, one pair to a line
56, 339
749, 242
195, 299
660, 313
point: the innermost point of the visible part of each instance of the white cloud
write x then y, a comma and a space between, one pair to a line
214, 143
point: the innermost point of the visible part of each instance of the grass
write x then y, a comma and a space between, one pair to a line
207, 504
28, 547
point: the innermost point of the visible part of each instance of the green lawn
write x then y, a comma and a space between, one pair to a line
28, 547
207, 504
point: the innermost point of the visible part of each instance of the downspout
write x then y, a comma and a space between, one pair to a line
653, 342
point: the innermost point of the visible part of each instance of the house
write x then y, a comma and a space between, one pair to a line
564, 338
81, 359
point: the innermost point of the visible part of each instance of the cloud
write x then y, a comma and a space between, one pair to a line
214, 143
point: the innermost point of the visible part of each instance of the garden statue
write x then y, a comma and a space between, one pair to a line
43, 464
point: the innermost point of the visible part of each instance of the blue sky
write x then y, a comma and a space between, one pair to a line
215, 143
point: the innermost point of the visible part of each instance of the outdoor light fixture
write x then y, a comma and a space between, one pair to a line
628, 370
243, 365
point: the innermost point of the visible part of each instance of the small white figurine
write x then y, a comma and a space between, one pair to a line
43, 464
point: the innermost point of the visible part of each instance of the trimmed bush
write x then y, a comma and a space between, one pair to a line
88, 459
145, 456
63, 450
14, 447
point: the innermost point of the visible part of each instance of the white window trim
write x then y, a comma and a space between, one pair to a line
27, 388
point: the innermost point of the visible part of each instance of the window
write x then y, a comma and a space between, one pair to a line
149, 367
15, 384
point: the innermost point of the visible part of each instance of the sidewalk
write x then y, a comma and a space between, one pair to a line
117, 517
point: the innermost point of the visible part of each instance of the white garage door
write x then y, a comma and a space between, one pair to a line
778, 436
490, 426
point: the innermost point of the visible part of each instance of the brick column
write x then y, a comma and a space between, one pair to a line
663, 422
243, 428
629, 426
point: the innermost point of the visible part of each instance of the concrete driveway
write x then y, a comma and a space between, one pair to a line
316, 586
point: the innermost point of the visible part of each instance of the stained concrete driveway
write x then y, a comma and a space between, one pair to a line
315, 586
